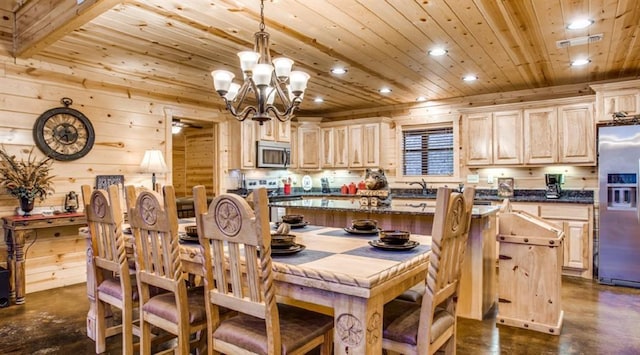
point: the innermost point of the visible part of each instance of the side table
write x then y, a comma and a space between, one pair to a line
16, 230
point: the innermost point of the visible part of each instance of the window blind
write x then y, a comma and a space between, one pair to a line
428, 151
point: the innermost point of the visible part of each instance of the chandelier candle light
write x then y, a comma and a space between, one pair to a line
266, 79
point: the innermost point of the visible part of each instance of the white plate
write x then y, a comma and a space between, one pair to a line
306, 183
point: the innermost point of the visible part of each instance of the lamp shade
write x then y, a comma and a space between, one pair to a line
153, 162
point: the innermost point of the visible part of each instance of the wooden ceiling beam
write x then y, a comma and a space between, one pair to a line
42, 22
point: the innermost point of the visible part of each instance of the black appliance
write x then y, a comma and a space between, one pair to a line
553, 182
4, 288
325, 185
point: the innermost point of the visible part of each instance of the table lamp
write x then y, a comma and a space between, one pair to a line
153, 162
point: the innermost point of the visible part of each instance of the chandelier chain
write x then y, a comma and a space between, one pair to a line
261, 15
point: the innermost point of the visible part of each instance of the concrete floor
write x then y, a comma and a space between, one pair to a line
598, 319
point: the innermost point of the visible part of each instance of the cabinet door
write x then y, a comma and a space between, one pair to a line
541, 136
274, 130
478, 139
341, 147
248, 144
371, 145
356, 154
577, 133
309, 143
507, 137
283, 131
620, 101
295, 149
576, 237
327, 147
267, 130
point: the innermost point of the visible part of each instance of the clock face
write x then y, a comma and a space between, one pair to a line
64, 133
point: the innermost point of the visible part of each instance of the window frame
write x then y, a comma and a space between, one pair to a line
411, 126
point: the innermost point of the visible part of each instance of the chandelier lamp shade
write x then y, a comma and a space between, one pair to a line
277, 91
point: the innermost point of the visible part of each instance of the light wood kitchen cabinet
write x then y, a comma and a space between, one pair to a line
559, 134
494, 138
576, 221
576, 130
507, 137
364, 145
479, 129
308, 147
293, 164
541, 135
341, 147
327, 148
275, 130
242, 152
620, 101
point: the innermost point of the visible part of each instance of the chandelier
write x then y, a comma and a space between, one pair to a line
264, 80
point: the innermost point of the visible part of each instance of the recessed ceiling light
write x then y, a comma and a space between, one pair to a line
437, 52
580, 24
384, 90
579, 62
339, 70
470, 78
318, 100
421, 99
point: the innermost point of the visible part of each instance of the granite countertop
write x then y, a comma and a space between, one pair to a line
397, 207
482, 195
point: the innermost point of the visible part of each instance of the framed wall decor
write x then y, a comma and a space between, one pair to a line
505, 187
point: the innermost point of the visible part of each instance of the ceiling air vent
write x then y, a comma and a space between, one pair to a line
579, 40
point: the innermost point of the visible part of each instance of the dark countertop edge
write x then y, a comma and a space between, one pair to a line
482, 211
481, 197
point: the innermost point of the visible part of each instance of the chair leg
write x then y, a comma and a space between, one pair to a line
127, 329
101, 327
145, 337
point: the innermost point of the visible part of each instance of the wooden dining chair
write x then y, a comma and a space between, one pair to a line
110, 273
429, 326
181, 310
239, 277
416, 293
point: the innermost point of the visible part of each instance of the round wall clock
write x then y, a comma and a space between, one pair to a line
64, 133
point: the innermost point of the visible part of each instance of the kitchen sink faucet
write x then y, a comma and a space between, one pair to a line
422, 184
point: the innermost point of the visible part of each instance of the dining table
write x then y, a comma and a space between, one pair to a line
342, 272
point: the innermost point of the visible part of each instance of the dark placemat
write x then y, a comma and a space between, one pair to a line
302, 257
343, 233
395, 255
307, 228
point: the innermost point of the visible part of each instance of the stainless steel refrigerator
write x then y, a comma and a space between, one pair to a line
618, 175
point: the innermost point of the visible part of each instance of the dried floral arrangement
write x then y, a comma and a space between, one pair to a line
29, 178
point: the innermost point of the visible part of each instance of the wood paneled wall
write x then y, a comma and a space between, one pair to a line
126, 124
194, 160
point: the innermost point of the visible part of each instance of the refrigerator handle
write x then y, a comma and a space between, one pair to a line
638, 192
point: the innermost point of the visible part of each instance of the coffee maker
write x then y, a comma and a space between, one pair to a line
553, 182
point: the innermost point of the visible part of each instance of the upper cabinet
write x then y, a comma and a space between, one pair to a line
540, 135
553, 134
308, 146
275, 130
576, 131
242, 152
617, 97
293, 164
355, 144
364, 145
494, 138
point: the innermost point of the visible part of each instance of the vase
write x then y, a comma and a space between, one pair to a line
26, 205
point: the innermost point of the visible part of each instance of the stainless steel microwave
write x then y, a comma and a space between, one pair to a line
273, 154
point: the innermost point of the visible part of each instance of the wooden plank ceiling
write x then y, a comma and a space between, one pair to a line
508, 44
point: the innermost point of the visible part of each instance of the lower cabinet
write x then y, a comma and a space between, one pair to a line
576, 221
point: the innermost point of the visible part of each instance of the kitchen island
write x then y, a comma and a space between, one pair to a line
478, 290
